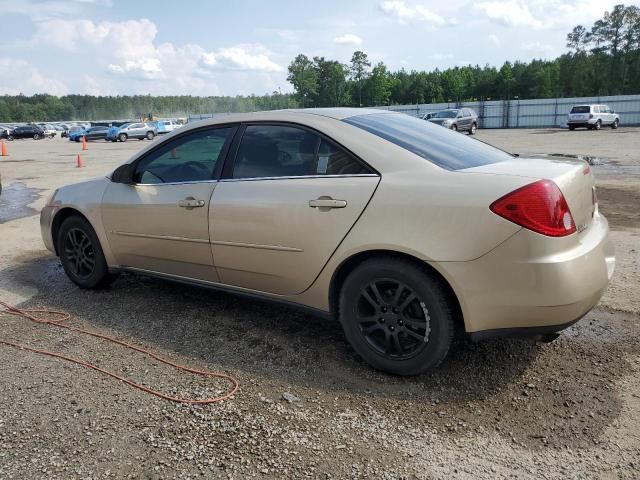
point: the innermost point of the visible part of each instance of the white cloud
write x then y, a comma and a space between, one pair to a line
541, 50
348, 39
20, 76
511, 13
440, 56
493, 38
543, 14
128, 49
407, 13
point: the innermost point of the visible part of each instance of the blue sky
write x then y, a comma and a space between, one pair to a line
108, 47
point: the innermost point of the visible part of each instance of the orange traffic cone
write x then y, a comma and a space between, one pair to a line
4, 150
79, 163
84, 143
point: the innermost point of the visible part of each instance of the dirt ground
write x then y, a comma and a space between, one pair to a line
497, 409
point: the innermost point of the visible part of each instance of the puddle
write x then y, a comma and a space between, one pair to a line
602, 165
14, 200
590, 159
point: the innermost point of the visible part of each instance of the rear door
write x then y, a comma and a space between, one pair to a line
283, 206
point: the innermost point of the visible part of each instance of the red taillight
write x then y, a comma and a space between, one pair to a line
539, 206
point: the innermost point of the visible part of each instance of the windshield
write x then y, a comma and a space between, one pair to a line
446, 114
441, 146
581, 109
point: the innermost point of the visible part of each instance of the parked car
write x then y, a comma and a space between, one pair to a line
27, 131
166, 126
592, 117
459, 119
4, 133
401, 230
49, 131
139, 130
427, 116
93, 133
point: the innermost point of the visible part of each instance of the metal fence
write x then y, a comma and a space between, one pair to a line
548, 112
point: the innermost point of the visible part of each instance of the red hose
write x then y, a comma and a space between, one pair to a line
63, 317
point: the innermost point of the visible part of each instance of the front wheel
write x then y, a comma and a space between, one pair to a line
473, 129
598, 125
81, 254
454, 127
122, 137
396, 316
614, 125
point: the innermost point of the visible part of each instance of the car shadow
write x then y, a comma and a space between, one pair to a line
270, 340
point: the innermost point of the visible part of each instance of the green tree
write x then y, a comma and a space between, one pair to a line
304, 78
359, 71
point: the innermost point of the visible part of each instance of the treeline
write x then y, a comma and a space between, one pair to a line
603, 59
86, 107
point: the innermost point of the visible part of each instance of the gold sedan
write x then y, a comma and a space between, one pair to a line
404, 231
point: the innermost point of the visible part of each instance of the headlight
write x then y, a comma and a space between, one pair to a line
447, 122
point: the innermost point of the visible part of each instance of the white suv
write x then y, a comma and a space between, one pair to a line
592, 117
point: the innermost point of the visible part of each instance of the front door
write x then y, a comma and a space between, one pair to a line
160, 223
284, 206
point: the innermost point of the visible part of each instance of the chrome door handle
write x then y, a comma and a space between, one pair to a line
327, 203
191, 203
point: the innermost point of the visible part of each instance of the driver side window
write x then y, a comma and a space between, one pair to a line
189, 158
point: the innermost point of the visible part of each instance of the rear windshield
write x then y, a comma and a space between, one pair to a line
581, 109
444, 147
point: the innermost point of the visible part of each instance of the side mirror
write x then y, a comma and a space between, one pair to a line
123, 174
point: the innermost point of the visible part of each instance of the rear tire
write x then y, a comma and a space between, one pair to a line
81, 254
614, 125
36, 136
150, 135
396, 316
454, 127
572, 128
598, 125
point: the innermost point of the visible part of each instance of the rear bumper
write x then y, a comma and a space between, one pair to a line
531, 283
582, 123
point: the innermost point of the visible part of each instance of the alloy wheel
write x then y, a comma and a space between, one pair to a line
79, 253
393, 319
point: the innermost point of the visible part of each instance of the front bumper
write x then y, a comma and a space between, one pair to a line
46, 222
533, 283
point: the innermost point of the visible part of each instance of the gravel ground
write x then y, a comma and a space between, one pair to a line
308, 407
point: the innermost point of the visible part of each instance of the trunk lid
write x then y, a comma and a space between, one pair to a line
574, 178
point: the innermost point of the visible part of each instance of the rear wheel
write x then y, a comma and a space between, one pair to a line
614, 125
81, 254
396, 316
150, 135
36, 136
572, 127
598, 125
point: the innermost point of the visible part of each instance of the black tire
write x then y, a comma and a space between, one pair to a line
572, 127
150, 135
473, 128
454, 127
615, 123
76, 239
36, 136
598, 125
122, 137
392, 338
10, 138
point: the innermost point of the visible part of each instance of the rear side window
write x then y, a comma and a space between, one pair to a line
581, 109
441, 146
267, 151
